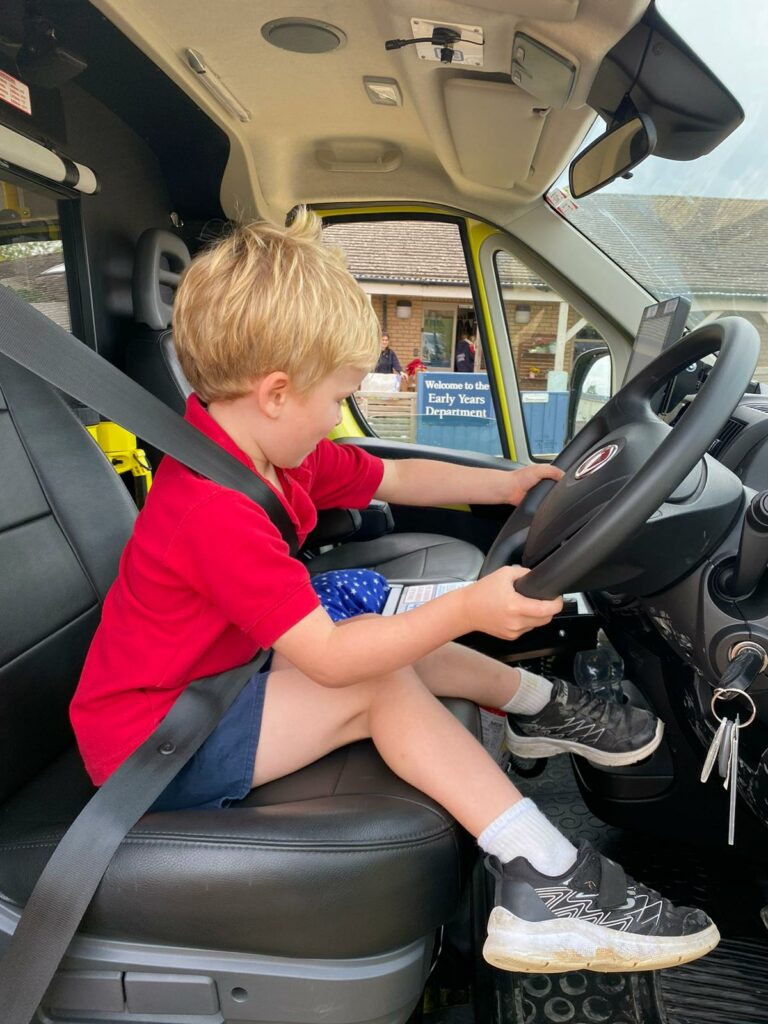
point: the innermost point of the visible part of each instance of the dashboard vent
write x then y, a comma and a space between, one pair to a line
727, 435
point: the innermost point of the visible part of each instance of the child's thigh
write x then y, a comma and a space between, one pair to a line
302, 721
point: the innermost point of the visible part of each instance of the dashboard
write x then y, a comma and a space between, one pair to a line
740, 445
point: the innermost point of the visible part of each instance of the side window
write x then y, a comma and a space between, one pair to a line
31, 256
430, 385
562, 363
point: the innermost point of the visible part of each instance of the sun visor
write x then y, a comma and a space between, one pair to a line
495, 129
653, 71
30, 156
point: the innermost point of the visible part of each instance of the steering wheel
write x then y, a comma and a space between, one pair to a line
625, 463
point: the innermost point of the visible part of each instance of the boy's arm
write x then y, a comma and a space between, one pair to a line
430, 482
370, 646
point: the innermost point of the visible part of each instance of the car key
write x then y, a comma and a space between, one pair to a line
714, 747
734, 774
724, 754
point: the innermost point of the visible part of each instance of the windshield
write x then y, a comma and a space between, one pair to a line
698, 228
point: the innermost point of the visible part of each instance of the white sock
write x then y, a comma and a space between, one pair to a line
533, 693
523, 831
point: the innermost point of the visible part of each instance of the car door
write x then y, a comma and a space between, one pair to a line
444, 397
444, 283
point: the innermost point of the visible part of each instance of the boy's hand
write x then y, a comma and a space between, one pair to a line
522, 480
494, 606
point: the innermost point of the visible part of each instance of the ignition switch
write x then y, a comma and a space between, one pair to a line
748, 660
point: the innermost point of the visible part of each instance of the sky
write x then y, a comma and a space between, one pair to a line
731, 38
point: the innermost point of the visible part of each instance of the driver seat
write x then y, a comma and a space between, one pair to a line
151, 360
317, 898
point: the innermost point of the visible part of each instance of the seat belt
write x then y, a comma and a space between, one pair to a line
66, 885
38, 344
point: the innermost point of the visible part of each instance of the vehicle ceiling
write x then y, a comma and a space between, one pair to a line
304, 103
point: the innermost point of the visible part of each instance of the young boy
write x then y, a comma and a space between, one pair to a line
273, 334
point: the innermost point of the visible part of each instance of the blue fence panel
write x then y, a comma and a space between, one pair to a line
546, 416
482, 437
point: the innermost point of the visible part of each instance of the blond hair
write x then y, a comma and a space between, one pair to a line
266, 298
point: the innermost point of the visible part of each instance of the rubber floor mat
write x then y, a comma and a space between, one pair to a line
730, 986
580, 997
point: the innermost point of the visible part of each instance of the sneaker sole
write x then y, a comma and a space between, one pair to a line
535, 746
565, 944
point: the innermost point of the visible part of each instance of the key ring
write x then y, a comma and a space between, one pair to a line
718, 695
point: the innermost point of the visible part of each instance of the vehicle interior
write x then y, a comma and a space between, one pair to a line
614, 321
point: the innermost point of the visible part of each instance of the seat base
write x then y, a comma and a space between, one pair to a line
316, 864
122, 982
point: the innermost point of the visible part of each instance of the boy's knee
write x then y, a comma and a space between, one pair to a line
396, 684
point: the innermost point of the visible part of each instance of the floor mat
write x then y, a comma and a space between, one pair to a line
729, 985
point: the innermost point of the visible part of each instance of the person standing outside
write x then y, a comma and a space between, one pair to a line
388, 361
464, 361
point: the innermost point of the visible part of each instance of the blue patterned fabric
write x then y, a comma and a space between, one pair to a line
345, 593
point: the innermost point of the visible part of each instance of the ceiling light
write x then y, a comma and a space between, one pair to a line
384, 91
215, 86
303, 35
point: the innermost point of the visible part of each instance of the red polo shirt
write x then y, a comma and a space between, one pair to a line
204, 582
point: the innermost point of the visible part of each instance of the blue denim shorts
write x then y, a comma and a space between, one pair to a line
221, 770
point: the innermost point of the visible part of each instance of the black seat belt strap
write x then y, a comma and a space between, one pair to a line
72, 875
63, 891
36, 343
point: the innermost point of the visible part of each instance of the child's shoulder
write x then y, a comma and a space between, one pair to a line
181, 498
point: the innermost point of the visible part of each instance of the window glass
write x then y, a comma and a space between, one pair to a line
31, 256
430, 385
562, 363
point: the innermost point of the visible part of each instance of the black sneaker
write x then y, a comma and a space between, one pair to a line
576, 722
593, 917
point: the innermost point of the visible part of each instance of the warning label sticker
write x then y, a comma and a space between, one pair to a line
15, 92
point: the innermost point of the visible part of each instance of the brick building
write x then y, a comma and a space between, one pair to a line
416, 274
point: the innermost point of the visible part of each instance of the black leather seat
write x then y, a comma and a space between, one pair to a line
316, 898
151, 360
406, 556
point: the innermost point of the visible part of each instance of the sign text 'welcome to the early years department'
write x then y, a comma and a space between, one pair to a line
465, 395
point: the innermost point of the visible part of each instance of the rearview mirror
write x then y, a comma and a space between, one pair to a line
612, 155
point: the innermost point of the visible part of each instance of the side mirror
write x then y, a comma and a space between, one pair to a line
612, 155
590, 387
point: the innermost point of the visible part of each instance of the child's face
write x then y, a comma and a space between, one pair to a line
308, 418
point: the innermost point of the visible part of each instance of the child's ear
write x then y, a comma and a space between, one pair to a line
271, 393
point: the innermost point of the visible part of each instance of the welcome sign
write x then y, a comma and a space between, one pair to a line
455, 410
449, 395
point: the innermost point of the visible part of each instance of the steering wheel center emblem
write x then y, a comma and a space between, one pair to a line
596, 460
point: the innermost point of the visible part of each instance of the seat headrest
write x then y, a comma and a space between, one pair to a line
160, 259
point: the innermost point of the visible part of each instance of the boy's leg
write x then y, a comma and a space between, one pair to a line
302, 721
457, 671
566, 719
556, 908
